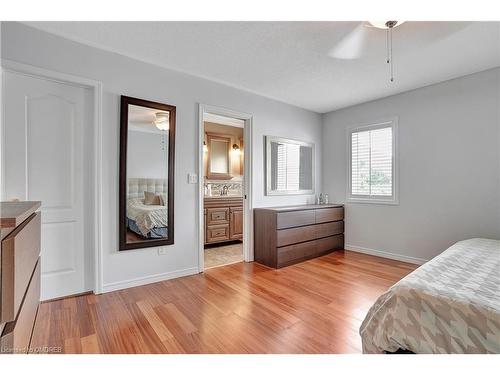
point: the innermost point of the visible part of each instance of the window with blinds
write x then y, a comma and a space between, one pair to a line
372, 160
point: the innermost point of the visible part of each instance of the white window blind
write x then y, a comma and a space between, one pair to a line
288, 167
372, 163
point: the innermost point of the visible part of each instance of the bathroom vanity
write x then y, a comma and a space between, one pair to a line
223, 219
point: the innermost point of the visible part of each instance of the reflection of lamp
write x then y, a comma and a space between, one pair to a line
205, 147
236, 149
161, 120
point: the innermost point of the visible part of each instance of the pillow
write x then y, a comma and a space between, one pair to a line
151, 199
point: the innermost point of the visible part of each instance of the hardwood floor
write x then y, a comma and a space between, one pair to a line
312, 307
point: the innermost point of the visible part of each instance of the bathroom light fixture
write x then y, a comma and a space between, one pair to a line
205, 147
236, 149
161, 120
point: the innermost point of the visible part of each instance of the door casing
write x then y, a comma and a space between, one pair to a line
247, 180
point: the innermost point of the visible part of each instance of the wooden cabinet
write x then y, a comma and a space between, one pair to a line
288, 235
223, 219
219, 215
236, 223
19, 274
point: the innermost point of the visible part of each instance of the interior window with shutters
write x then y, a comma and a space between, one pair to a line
372, 163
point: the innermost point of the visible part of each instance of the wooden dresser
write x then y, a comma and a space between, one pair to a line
223, 219
19, 274
288, 235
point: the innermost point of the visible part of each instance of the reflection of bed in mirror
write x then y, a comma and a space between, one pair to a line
147, 217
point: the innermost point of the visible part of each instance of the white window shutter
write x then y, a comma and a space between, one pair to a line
372, 162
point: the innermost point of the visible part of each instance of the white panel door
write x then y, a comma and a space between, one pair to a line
44, 160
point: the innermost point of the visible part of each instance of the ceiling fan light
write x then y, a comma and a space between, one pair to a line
162, 120
385, 24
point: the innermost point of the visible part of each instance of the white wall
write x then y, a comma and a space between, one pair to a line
146, 158
124, 76
449, 168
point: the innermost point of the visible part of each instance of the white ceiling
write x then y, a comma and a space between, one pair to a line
291, 62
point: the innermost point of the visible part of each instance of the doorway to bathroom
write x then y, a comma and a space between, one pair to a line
225, 188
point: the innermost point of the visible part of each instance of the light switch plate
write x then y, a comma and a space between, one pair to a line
192, 178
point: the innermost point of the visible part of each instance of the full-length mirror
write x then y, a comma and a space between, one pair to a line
289, 166
147, 139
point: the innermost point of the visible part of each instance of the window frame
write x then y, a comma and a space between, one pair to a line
394, 198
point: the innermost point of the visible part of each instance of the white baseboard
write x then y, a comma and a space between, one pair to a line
130, 283
385, 254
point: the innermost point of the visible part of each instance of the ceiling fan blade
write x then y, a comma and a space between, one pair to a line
352, 45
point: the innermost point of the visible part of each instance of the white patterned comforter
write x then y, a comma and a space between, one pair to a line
146, 216
451, 304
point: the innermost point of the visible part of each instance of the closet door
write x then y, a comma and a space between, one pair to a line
44, 139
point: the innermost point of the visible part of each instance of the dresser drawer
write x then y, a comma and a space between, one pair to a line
216, 233
217, 215
330, 243
20, 252
329, 229
295, 253
324, 215
294, 235
295, 219
17, 335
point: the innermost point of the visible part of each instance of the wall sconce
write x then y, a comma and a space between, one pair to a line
236, 149
205, 147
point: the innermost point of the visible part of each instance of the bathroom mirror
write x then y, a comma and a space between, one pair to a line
147, 140
218, 162
289, 166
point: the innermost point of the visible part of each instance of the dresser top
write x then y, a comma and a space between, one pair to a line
14, 213
301, 207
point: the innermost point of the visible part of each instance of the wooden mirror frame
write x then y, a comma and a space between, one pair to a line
122, 218
218, 176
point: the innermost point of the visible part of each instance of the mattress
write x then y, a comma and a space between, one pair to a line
451, 304
146, 217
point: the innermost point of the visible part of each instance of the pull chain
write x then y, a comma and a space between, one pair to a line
163, 141
387, 44
390, 54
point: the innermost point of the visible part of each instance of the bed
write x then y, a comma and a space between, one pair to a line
451, 304
147, 221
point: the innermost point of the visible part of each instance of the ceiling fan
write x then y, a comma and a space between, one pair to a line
353, 44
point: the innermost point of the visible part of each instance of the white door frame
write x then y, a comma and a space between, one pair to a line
96, 88
247, 180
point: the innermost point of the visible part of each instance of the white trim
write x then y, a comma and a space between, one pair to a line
385, 254
218, 119
138, 281
247, 180
96, 87
394, 199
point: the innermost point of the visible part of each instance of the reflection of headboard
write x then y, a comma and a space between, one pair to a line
137, 186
